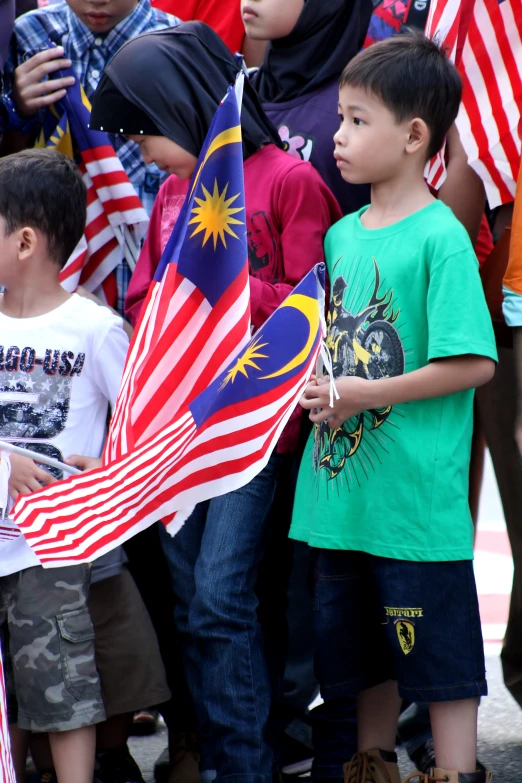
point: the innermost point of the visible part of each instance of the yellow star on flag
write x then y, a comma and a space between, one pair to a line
214, 215
247, 360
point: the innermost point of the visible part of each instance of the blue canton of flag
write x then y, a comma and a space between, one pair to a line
213, 212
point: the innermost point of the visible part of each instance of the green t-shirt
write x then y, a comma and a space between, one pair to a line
394, 482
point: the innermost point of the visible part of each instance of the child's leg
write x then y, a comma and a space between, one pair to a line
350, 655
430, 614
52, 652
378, 711
454, 726
73, 754
19, 745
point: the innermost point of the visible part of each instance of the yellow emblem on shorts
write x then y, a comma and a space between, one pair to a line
406, 635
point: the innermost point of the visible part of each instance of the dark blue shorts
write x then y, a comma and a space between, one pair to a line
378, 619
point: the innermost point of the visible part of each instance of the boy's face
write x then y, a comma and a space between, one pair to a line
370, 145
166, 154
268, 20
100, 16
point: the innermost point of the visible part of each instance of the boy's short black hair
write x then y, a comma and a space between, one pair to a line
413, 77
43, 189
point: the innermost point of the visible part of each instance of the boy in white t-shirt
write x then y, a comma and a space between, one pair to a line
61, 359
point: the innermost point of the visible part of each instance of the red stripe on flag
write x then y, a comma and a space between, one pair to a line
96, 259
98, 153
72, 267
125, 204
482, 57
196, 348
481, 138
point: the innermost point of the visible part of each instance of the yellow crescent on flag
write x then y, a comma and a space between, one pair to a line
310, 309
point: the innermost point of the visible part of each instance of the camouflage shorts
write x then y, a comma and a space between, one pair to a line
48, 645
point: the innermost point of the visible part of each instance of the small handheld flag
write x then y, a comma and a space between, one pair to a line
116, 219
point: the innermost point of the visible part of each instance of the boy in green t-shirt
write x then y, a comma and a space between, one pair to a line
383, 488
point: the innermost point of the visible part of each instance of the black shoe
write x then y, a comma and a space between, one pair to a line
424, 758
116, 766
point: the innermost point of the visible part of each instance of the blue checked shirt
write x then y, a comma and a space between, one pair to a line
90, 53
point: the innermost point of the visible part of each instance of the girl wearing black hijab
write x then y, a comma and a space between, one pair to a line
311, 41
162, 90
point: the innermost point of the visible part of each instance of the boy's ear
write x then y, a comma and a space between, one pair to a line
418, 136
27, 242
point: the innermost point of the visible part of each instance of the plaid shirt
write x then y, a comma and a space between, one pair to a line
90, 53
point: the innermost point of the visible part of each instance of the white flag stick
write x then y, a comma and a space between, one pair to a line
42, 458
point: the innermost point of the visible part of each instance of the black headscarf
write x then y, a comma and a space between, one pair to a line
327, 35
170, 83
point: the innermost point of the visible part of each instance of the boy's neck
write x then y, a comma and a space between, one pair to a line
396, 199
31, 299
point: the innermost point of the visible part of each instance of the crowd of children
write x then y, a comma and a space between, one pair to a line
361, 524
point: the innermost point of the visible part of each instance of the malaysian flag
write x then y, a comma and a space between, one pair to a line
199, 413
116, 219
7, 773
484, 38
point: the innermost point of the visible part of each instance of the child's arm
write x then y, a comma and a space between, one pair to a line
30, 93
306, 210
26, 476
26, 91
82, 462
463, 190
437, 379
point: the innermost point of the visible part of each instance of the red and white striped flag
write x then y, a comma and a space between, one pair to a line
489, 121
199, 413
7, 773
116, 219
484, 39
443, 26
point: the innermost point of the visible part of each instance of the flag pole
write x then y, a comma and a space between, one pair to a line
42, 458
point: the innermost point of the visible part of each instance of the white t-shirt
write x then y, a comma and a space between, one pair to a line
58, 374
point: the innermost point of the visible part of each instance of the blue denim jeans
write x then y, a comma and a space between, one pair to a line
214, 562
377, 619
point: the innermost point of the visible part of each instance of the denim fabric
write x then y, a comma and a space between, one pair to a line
377, 619
214, 561
334, 725
415, 622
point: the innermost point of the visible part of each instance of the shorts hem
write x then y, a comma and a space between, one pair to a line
470, 690
59, 723
354, 686
136, 704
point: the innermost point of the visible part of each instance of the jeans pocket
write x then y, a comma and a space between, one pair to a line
77, 654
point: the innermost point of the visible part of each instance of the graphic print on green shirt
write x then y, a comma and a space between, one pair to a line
363, 340
393, 482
